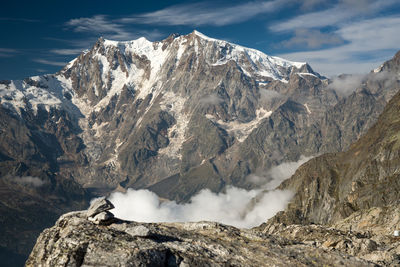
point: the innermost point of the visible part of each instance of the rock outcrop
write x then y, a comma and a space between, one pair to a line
76, 241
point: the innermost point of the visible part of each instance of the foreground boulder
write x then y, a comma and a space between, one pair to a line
99, 206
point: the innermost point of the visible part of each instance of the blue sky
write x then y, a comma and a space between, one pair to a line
343, 36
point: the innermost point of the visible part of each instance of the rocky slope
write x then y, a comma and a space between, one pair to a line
334, 186
175, 116
353, 191
76, 240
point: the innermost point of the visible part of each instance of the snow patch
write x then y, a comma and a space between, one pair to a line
307, 108
176, 134
239, 129
301, 74
378, 69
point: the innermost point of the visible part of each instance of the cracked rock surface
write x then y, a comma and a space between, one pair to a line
76, 241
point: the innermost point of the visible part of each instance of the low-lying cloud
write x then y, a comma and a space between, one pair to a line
29, 181
276, 175
344, 85
236, 206
269, 94
211, 99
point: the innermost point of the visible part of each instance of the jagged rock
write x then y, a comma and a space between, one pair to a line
99, 206
102, 217
76, 241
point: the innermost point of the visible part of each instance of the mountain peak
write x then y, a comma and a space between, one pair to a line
203, 36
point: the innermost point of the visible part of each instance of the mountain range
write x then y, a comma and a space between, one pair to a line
175, 116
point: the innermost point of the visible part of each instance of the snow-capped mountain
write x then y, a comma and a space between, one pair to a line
142, 113
175, 116
135, 102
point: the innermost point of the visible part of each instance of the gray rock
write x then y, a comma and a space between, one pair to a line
99, 206
102, 217
176, 244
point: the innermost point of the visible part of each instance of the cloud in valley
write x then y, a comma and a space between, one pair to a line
29, 181
237, 207
212, 99
269, 94
276, 175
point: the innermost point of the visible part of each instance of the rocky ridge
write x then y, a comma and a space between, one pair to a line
77, 241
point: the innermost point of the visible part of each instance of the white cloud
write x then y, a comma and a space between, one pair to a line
7, 52
312, 39
346, 84
276, 175
68, 51
236, 206
29, 181
49, 62
341, 13
368, 44
212, 99
204, 14
269, 94
112, 29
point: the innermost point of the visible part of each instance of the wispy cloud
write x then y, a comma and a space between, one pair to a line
19, 19
8, 52
41, 70
49, 62
68, 51
99, 24
113, 29
198, 14
341, 13
361, 50
312, 39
